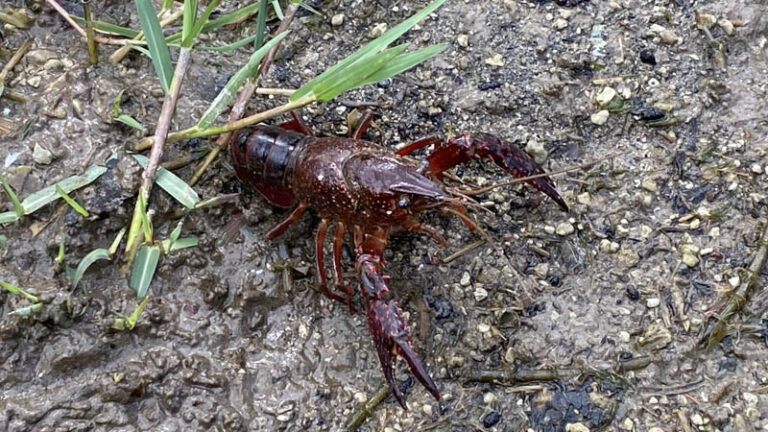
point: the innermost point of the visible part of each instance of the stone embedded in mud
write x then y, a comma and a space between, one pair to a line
599, 118
627, 258
564, 229
337, 20
536, 149
42, 155
605, 96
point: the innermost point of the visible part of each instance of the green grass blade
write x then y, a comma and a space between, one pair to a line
48, 194
27, 311
144, 269
129, 121
90, 258
278, 9
8, 217
232, 46
72, 203
198, 28
221, 21
230, 90
356, 73
404, 62
134, 317
12, 195
181, 243
261, 24
369, 49
175, 186
146, 224
18, 291
188, 22
107, 27
158, 50
116, 242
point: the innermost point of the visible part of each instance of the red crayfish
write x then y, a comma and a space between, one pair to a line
370, 191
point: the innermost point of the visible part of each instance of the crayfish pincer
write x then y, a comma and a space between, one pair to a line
369, 192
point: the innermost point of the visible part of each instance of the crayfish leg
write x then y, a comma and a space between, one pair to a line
338, 245
296, 124
362, 125
322, 229
282, 226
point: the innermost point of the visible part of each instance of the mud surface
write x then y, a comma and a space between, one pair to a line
236, 337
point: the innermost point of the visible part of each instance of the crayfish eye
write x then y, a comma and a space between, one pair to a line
403, 202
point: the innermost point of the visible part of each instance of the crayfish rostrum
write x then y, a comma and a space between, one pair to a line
369, 191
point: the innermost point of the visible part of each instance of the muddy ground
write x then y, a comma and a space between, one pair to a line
236, 336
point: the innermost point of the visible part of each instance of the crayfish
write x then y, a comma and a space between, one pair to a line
370, 192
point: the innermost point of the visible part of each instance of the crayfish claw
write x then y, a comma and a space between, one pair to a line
390, 331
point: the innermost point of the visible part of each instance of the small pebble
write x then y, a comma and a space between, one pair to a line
655, 429
560, 24
480, 294
653, 302
495, 60
483, 328
627, 424
378, 30
605, 96
726, 25
624, 336
697, 419
669, 37
576, 427
584, 198
648, 57
41, 155
491, 419
565, 229
463, 40
489, 398
756, 168
627, 258
633, 293
536, 149
337, 20
649, 184
465, 279
734, 281
599, 118
427, 410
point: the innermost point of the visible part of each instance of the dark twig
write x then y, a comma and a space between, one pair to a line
365, 411
718, 325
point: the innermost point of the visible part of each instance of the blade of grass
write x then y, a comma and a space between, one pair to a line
172, 184
404, 62
7, 217
19, 292
72, 203
144, 267
134, 317
228, 92
106, 27
12, 196
181, 243
146, 223
27, 311
367, 50
90, 258
198, 27
354, 74
130, 121
261, 24
190, 14
278, 9
158, 49
231, 46
116, 242
48, 194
